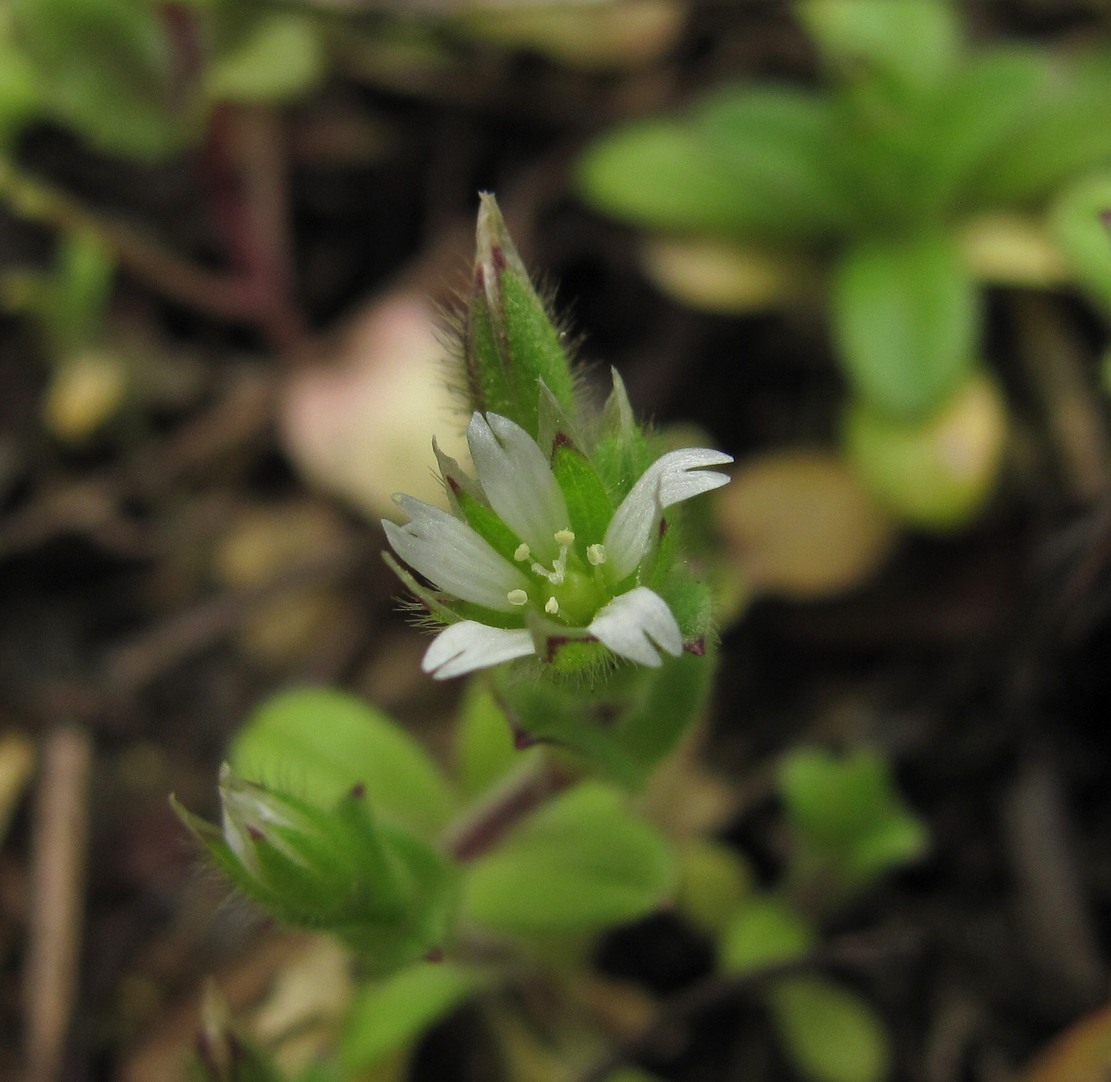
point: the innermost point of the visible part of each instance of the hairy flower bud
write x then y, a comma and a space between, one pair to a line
384, 892
510, 344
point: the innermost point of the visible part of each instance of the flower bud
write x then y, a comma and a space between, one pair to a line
510, 345
382, 891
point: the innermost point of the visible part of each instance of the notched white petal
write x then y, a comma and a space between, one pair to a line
672, 478
682, 474
468, 646
637, 625
518, 482
447, 552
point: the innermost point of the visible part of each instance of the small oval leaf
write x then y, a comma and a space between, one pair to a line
906, 317
579, 864
321, 742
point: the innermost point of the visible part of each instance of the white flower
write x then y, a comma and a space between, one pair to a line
549, 586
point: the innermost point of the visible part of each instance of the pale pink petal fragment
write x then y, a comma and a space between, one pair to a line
518, 482
672, 478
464, 647
637, 625
447, 552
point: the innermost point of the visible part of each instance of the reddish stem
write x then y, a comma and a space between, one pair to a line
514, 801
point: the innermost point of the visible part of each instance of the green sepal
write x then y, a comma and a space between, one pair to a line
622, 451
422, 924
620, 719
691, 601
456, 480
387, 895
437, 603
510, 345
308, 866
485, 522
588, 502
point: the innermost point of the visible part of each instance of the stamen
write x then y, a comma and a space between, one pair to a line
522, 552
551, 606
517, 597
596, 554
558, 574
540, 569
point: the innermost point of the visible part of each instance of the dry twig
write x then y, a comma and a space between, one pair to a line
57, 894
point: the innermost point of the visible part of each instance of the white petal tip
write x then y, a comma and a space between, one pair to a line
469, 646
638, 626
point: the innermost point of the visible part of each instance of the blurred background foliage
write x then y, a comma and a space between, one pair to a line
860, 244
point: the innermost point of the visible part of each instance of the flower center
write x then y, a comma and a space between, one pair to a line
569, 592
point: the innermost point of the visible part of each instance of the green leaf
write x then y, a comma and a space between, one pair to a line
912, 45
775, 144
905, 314
1063, 137
982, 108
484, 750
1079, 221
831, 1034
106, 68
391, 1014
715, 881
581, 863
280, 57
320, 743
658, 173
849, 824
80, 291
765, 932
19, 96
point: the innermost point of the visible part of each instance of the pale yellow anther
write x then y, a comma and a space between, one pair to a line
551, 606
564, 537
522, 552
517, 597
596, 554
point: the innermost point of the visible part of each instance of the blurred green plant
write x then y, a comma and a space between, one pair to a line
847, 829
139, 78
911, 177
